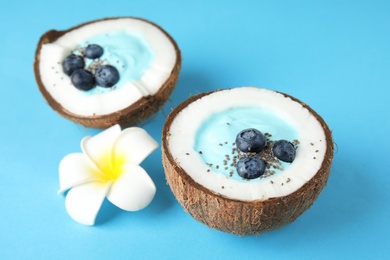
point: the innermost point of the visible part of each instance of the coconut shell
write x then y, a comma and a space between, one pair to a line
237, 216
129, 116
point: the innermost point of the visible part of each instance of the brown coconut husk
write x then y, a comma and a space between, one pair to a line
237, 216
129, 116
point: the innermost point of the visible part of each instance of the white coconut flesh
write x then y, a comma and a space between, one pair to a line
78, 102
310, 151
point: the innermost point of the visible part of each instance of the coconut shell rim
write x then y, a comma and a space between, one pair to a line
324, 168
106, 120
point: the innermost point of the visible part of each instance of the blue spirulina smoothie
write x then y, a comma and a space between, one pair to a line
215, 139
128, 53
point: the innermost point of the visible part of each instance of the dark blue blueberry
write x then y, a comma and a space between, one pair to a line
284, 151
250, 141
82, 79
250, 167
72, 63
106, 76
93, 51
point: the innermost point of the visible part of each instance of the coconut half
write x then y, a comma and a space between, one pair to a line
226, 202
147, 53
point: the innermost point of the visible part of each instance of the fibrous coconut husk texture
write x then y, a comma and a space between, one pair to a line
235, 216
132, 115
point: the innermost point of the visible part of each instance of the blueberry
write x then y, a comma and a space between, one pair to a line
93, 51
106, 76
250, 141
82, 79
250, 167
284, 151
72, 63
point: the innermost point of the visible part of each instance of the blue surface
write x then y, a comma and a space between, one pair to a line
333, 55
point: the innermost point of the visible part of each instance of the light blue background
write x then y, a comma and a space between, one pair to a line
333, 55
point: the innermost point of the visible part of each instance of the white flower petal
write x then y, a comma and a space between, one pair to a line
99, 147
133, 145
75, 169
133, 190
83, 202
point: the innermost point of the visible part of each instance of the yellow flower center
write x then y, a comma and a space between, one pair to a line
112, 167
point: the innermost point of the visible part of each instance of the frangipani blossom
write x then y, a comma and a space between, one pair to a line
107, 168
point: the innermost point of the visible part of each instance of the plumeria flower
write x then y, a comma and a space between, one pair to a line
107, 168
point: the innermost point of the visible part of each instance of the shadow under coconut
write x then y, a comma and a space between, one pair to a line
349, 196
190, 83
163, 198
